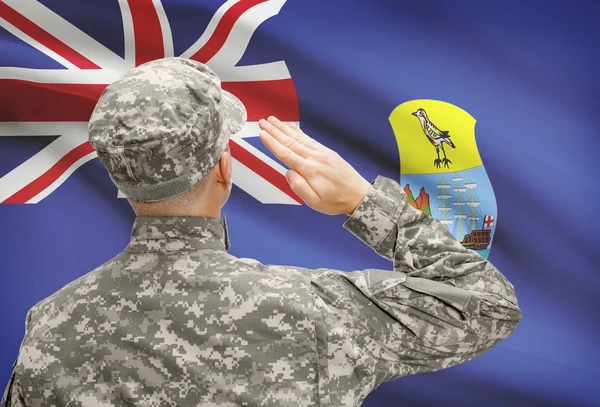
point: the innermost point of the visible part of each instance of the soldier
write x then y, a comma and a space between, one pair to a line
175, 320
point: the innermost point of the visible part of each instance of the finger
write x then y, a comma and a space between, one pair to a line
286, 136
296, 128
302, 188
291, 130
285, 154
309, 141
290, 142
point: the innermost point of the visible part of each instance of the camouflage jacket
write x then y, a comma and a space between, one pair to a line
174, 320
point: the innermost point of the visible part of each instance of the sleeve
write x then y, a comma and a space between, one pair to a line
441, 305
13, 396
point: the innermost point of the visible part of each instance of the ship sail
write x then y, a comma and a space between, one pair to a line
443, 208
467, 213
472, 202
459, 204
460, 211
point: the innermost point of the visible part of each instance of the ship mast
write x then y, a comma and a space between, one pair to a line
472, 203
443, 196
459, 189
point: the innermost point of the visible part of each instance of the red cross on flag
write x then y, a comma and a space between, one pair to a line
50, 102
488, 221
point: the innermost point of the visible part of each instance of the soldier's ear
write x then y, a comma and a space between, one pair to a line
224, 170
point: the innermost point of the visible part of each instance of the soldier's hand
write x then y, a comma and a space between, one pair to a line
323, 179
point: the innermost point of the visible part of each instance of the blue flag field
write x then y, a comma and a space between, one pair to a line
514, 84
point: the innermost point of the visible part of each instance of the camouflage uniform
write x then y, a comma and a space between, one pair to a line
175, 320
163, 126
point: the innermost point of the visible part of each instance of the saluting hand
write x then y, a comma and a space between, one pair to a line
319, 175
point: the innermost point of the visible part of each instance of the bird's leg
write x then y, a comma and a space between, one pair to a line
437, 161
445, 160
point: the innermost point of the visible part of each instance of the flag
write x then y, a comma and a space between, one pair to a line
484, 112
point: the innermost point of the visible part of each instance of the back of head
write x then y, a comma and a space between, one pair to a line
162, 127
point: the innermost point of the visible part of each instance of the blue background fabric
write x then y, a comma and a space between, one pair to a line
526, 71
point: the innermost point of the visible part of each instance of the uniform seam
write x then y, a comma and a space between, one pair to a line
392, 218
392, 229
310, 303
316, 316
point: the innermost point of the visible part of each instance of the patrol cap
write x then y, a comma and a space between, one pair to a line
162, 126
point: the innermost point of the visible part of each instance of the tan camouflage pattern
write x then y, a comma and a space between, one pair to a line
175, 320
162, 126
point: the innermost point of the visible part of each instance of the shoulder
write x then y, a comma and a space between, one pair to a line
61, 300
226, 260
274, 274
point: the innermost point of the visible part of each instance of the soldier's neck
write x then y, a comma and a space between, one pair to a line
210, 213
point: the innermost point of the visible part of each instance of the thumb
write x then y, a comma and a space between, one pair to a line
301, 187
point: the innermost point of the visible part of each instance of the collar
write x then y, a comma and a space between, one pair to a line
178, 233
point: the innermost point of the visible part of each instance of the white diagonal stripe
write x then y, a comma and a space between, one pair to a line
261, 156
264, 72
129, 37
42, 128
74, 76
75, 133
165, 28
210, 29
31, 169
237, 41
257, 186
252, 129
67, 33
26, 38
60, 180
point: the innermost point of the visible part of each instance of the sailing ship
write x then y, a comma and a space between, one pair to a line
476, 239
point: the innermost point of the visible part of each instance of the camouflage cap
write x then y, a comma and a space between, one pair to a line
162, 126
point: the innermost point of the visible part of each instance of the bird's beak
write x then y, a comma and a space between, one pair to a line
414, 113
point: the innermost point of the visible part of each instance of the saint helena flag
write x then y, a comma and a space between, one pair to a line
484, 112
